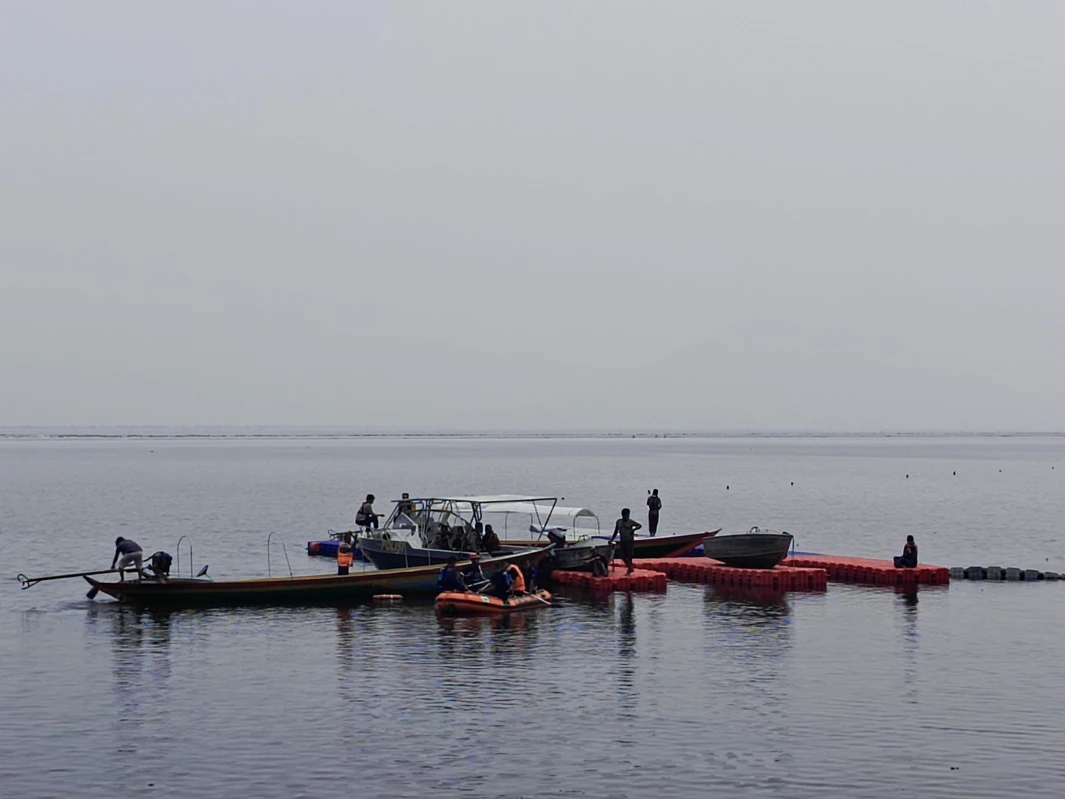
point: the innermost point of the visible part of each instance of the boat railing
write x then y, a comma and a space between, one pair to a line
178, 548
284, 548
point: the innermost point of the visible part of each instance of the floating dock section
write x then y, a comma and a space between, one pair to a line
868, 571
617, 580
717, 574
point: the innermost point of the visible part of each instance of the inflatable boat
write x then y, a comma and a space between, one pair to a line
456, 603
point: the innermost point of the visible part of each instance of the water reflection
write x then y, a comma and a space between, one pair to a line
906, 600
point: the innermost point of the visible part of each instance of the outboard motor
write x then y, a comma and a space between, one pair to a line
556, 538
160, 564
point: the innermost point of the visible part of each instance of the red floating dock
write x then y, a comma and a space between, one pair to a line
869, 571
616, 580
712, 572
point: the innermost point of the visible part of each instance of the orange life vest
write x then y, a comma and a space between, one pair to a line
345, 556
517, 579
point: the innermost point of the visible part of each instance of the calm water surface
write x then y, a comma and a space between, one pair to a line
857, 692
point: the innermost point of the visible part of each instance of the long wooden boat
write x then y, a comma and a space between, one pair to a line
311, 590
757, 549
661, 546
401, 554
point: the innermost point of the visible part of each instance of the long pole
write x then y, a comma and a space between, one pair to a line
29, 581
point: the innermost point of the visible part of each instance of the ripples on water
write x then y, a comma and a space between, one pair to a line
854, 693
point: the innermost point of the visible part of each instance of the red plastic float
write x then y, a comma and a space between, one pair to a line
869, 571
712, 572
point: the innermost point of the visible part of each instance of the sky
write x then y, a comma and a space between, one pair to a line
828, 216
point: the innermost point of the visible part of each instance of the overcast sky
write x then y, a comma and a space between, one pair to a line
699, 215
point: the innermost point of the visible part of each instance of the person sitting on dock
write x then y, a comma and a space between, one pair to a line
365, 516
626, 528
127, 553
473, 575
450, 579
345, 557
490, 541
908, 559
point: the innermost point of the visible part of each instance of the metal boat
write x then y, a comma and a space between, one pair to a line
755, 549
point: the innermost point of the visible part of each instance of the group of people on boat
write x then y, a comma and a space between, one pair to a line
463, 538
511, 581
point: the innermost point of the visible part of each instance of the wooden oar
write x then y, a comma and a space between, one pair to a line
29, 581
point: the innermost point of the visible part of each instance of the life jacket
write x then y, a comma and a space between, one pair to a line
517, 579
345, 556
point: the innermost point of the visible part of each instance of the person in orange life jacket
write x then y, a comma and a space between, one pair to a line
365, 517
345, 557
654, 505
450, 579
517, 579
908, 560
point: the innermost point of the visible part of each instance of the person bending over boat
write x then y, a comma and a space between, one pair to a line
450, 579
490, 541
473, 575
127, 553
908, 559
625, 529
365, 517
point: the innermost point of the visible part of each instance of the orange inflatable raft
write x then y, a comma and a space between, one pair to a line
455, 603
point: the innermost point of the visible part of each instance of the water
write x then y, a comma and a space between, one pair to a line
857, 692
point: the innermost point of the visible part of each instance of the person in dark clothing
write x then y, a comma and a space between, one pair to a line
499, 585
127, 553
450, 579
625, 529
490, 542
473, 575
365, 517
654, 505
908, 559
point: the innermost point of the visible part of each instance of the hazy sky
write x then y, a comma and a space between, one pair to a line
761, 215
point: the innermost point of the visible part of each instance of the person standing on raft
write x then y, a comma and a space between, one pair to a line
908, 559
654, 505
626, 528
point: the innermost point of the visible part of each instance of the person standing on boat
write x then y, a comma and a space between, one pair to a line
345, 557
365, 517
654, 505
127, 553
908, 560
625, 529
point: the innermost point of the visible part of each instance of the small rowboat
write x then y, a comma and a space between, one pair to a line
756, 549
456, 603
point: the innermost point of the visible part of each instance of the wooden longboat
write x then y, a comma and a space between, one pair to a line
660, 546
316, 589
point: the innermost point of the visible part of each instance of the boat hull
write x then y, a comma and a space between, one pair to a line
749, 550
401, 555
313, 590
662, 546
454, 603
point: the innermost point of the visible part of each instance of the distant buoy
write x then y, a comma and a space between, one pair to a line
726, 488
954, 473
793, 482
907, 477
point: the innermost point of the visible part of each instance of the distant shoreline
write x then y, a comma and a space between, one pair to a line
275, 433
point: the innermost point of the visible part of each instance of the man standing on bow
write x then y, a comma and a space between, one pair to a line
654, 505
